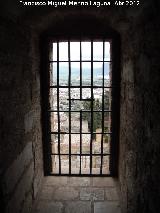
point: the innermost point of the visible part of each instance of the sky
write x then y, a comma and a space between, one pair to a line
86, 52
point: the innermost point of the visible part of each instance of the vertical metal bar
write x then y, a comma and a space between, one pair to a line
102, 136
80, 142
113, 105
80, 70
81, 110
58, 115
92, 96
69, 96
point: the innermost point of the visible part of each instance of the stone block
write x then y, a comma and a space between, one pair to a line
46, 193
65, 193
30, 120
78, 207
23, 187
37, 183
79, 181
49, 207
128, 71
111, 194
104, 182
17, 168
92, 194
106, 207
56, 181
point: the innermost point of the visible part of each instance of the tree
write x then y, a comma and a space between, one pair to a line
97, 116
106, 100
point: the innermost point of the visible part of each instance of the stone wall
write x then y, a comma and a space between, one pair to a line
139, 116
139, 131
21, 166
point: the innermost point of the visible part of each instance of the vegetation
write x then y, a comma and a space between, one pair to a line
97, 116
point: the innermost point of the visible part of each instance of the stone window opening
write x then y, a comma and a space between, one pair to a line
81, 105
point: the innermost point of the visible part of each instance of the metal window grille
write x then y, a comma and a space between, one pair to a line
81, 110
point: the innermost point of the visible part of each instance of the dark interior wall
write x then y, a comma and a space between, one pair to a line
140, 99
21, 165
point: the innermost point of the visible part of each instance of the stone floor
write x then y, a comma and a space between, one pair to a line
78, 195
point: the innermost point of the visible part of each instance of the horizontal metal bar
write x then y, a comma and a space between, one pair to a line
96, 87
80, 175
107, 154
85, 133
80, 61
82, 99
79, 111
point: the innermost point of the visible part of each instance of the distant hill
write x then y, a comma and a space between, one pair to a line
86, 73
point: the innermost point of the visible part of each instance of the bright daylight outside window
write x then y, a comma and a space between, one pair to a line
80, 110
